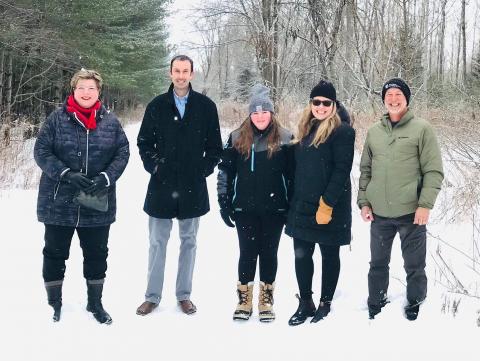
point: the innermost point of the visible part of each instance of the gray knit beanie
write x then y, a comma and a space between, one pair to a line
260, 99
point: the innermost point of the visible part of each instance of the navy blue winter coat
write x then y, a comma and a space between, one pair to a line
179, 153
63, 144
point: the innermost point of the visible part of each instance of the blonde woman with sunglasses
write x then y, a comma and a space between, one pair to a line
320, 211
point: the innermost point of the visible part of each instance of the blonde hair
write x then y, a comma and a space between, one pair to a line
326, 127
84, 74
245, 139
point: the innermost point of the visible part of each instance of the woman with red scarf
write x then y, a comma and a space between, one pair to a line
82, 151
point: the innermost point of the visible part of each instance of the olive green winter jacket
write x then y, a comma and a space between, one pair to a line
401, 167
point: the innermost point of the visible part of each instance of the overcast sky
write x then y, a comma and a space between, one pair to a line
180, 26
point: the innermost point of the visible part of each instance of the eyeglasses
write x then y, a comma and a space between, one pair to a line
317, 102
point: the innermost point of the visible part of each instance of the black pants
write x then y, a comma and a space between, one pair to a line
93, 241
304, 268
414, 251
259, 236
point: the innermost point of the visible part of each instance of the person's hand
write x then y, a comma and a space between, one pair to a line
324, 213
227, 216
421, 216
99, 183
78, 180
366, 213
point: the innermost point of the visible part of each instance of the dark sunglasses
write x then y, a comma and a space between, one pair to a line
318, 102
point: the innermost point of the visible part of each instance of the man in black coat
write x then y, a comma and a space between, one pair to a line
180, 145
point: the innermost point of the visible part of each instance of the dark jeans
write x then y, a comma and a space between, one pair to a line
93, 241
413, 244
259, 236
304, 268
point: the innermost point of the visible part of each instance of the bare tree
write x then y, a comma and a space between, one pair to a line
464, 42
441, 40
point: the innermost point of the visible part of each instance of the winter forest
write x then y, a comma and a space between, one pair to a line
288, 45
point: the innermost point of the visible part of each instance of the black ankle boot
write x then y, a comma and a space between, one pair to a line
411, 311
306, 308
322, 311
94, 291
54, 295
374, 310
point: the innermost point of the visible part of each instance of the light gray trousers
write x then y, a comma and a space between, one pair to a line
159, 235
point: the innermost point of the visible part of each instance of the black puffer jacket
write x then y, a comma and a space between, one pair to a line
258, 184
323, 171
63, 144
181, 152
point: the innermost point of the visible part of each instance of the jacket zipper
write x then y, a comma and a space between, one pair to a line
86, 160
55, 190
235, 189
285, 187
252, 163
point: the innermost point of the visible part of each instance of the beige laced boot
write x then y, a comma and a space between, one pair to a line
265, 302
244, 306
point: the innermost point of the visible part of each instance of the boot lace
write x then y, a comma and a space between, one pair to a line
267, 296
242, 297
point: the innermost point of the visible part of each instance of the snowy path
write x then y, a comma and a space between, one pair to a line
167, 334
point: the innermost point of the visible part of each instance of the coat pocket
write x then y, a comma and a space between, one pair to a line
410, 193
305, 214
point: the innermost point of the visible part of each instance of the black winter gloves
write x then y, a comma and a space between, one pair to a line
98, 185
226, 210
81, 181
227, 216
78, 180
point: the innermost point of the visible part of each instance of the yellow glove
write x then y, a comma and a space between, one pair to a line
324, 213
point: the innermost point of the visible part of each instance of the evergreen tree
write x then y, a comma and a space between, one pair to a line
124, 40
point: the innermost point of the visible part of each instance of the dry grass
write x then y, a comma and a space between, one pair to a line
16, 158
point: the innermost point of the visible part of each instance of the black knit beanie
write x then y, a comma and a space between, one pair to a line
324, 89
399, 84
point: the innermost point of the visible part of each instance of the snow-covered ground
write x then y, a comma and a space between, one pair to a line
346, 334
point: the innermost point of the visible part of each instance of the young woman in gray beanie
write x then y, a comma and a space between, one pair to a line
320, 211
253, 187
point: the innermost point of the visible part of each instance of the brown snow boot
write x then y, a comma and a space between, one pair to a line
244, 306
265, 302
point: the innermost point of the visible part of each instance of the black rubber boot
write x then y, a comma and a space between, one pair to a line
411, 311
306, 308
54, 295
322, 311
95, 290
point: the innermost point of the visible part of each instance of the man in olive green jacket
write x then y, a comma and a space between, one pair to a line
401, 175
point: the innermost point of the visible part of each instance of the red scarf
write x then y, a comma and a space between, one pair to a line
86, 116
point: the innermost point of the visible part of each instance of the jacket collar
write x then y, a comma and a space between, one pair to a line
258, 132
170, 93
404, 120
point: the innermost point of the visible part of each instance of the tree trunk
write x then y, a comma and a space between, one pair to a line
464, 45
441, 41
8, 88
275, 79
457, 62
2, 65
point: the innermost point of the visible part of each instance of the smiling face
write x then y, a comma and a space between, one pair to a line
396, 104
86, 93
321, 111
261, 119
181, 75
